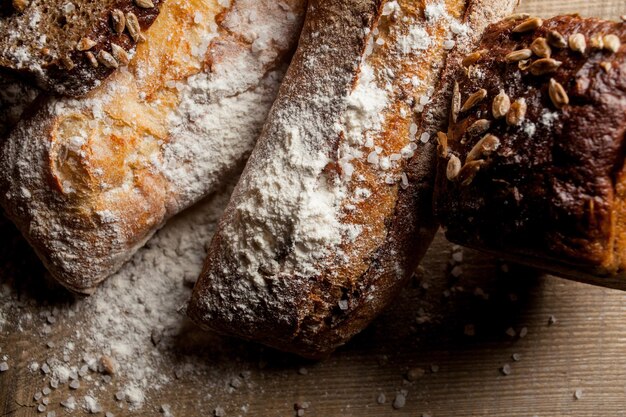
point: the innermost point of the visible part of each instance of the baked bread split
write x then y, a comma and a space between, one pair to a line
333, 211
532, 165
88, 181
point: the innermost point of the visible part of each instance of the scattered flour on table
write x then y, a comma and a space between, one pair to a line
133, 319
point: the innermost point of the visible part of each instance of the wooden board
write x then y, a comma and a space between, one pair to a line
454, 329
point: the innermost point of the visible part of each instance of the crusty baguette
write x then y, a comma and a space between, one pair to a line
89, 181
68, 47
333, 211
543, 182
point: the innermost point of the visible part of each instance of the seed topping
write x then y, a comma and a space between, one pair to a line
578, 43
118, 21
517, 113
472, 58
544, 66
144, 4
107, 59
541, 48
120, 54
528, 25
483, 148
92, 59
558, 95
479, 127
501, 105
518, 55
132, 24
85, 44
612, 43
556, 40
453, 168
474, 99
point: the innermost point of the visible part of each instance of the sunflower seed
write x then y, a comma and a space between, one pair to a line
92, 59
144, 4
118, 20
456, 102
472, 58
474, 99
468, 172
107, 59
606, 66
578, 43
517, 113
85, 44
612, 43
442, 144
528, 25
556, 40
483, 147
132, 24
120, 54
596, 42
67, 62
524, 65
541, 48
501, 105
453, 168
517, 16
20, 5
544, 66
518, 55
558, 95
479, 127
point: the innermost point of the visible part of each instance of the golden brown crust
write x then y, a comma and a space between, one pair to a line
283, 296
89, 181
549, 190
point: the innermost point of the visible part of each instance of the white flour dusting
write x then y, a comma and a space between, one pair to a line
134, 319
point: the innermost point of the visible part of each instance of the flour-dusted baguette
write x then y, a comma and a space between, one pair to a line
533, 168
89, 181
69, 46
333, 211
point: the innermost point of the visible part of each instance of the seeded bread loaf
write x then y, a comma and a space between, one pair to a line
88, 181
333, 211
68, 46
532, 166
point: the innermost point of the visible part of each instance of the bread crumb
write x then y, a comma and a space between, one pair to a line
506, 369
399, 402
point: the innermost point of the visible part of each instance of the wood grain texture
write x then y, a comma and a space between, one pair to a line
426, 328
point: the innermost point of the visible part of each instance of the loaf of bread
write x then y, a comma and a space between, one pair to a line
88, 181
532, 164
333, 211
70, 46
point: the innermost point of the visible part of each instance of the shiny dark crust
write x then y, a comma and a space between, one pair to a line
553, 193
56, 76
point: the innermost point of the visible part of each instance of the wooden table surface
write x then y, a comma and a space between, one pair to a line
458, 335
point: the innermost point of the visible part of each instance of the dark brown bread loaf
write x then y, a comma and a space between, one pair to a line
68, 46
532, 166
334, 209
